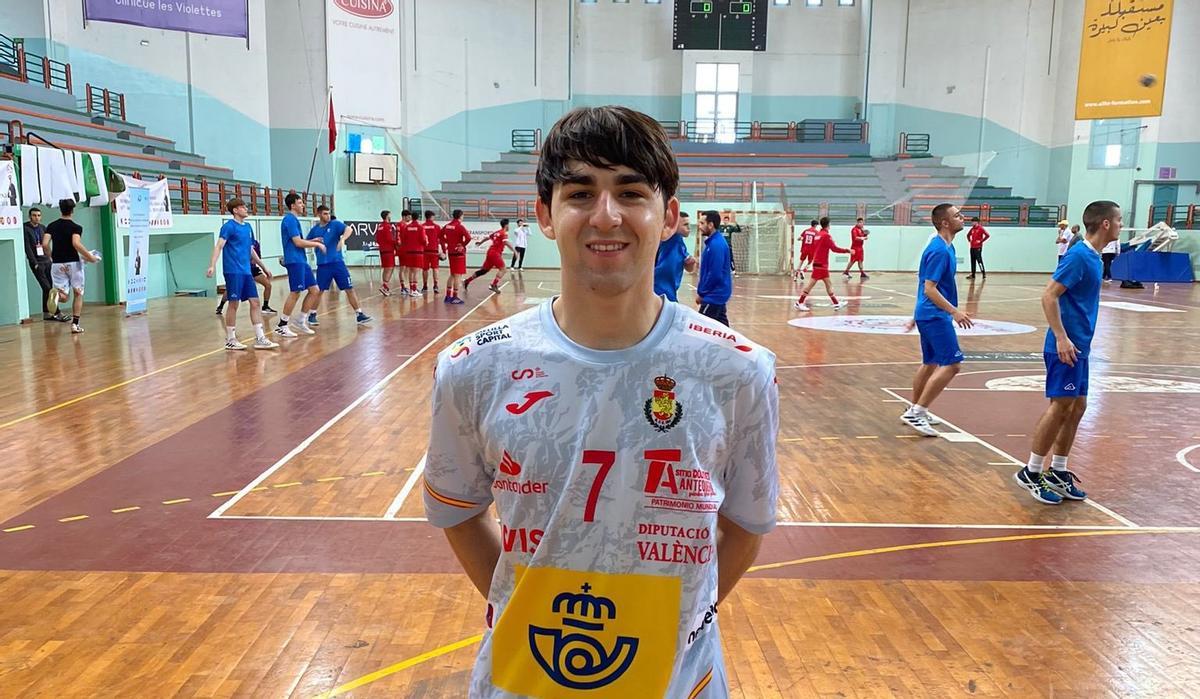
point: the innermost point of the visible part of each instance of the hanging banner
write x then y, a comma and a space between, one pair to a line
10, 201
218, 17
138, 259
160, 202
363, 61
1123, 58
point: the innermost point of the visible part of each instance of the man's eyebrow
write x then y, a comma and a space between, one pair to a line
577, 178
632, 178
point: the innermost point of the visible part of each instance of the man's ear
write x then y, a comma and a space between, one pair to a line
543, 218
671, 220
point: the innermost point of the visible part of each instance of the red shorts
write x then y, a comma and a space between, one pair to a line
431, 260
856, 255
819, 273
493, 261
805, 253
387, 258
458, 263
414, 260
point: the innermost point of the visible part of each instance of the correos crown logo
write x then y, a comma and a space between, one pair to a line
371, 9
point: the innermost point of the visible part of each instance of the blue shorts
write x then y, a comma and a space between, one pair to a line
300, 276
334, 272
1063, 381
240, 287
939, 342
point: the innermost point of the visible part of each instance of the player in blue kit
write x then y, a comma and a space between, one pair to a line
671, 260
331, 266
300, 275
237, 255
935, 316
1071, 303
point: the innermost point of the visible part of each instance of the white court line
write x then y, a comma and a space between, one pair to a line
890, 291
220, 511
1118, 297
318, 518
1016, 462
408, 486
913, 362
1181, 457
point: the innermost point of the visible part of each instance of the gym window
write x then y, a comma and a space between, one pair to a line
1114, 144
779, 3
813, 3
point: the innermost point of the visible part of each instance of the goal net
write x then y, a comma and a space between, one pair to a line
759, 240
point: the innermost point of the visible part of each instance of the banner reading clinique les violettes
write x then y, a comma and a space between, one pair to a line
217, 17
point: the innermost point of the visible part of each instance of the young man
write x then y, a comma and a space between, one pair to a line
670, 261
1071, 303
630, 456
39, 264
807, 238
494, 259
300, 275
238, 256
1064, 238
385, 239
731, 231
977, 236
331, 265
64, 240
858, 236
935, 316
715, 285
455, 239
262, 276
520, 242
821, 246
412, 242
431, 233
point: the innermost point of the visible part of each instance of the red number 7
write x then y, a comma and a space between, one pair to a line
605, 460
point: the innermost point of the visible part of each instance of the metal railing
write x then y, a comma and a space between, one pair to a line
526, 140
101, 100
1014, 214
914, 143
55, 75
202, 196
1185, 216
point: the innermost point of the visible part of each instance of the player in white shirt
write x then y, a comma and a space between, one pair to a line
1108, 254
520, 241
1064, 237
627, 442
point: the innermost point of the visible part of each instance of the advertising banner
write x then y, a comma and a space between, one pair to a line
160, 202
1123, 59
218, 17
10, 201
138, 260
363, 60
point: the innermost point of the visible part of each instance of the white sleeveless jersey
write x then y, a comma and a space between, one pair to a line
608, 470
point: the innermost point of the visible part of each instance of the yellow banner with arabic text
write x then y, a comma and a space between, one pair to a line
1123, 58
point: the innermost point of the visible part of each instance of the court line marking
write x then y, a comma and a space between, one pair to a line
320, 518
890, 291
373, 390
1181, 457
408, 486
1016, 462
443, 650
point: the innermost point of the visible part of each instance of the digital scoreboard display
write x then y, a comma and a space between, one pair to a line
720, 25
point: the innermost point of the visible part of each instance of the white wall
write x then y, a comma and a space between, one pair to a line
23, 18
811, 51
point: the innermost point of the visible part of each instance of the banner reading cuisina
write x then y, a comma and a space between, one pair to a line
1123, 58
363, 60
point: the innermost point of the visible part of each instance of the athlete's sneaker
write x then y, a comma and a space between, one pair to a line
839, 305
1036, 485
305, 330
425, 289
799, 275
467, 282
801, 307
864, 277
385, 290
1063, 483
435, 290
76, 328
312, 318
220, 310
846, 275
455, 301
265, 343
362, 318
268, 311
285, 331
494, 289
920, 424
932, 419
234, 345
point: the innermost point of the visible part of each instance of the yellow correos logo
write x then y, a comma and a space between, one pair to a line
567, 633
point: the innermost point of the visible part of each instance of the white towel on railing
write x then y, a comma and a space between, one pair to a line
97, 163
77, 174
54, 179
31, 190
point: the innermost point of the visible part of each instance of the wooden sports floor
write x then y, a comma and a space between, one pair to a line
179, 520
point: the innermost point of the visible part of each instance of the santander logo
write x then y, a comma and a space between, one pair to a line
370, 9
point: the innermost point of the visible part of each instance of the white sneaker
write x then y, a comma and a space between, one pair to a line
305, 330
932, 419
76, 328
920, 424
839, 305
263, 343
234, 345
284, 331
801, 307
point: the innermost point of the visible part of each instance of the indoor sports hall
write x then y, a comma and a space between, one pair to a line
228, 482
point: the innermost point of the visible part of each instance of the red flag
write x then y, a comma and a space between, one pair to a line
332, 126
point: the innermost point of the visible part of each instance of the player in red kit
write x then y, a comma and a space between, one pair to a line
385, 239
494, 258
455, 239
806, 247
431, 233
820, 262
976, 237
412, 243
858, 236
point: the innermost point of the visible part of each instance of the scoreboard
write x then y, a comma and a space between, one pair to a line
720, 25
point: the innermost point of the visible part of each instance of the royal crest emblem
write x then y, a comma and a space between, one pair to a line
662, 410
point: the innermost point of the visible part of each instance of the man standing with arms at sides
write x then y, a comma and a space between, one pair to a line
520, 242
494, 259
632, 464
64, 240
39, 264
672, 259
385, 239
715, 285
1071, 303
412, 241
822, 244
807, 238
260, 275
455, 239
300, 275
235, 246
935, 316
331, 265
1064, 238
977, 236
430, 233
858, 236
